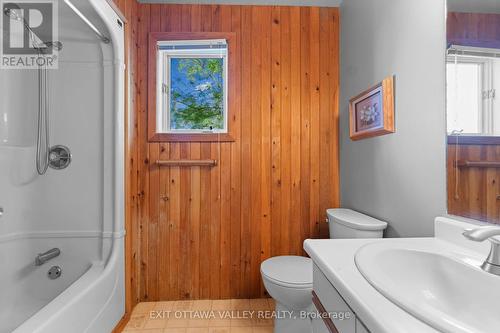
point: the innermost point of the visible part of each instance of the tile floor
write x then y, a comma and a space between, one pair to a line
204, 316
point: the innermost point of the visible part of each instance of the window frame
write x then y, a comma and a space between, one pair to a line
154, 89
484, 52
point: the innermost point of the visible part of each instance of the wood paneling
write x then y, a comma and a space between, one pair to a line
474, 192
474, 29
201, 232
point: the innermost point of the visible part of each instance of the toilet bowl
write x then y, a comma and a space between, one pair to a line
289, 279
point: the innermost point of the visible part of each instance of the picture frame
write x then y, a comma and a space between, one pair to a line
371, 113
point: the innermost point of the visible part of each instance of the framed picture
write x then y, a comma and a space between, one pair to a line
371, 113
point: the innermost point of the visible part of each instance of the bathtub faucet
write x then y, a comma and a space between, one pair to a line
42, 258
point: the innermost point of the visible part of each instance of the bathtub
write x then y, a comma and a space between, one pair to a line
79, 210
78, 299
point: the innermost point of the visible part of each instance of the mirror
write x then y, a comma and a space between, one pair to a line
473, 68
473, 108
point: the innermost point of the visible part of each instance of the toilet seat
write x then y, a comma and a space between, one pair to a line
288, 271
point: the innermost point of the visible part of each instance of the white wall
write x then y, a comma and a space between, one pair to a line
401, 177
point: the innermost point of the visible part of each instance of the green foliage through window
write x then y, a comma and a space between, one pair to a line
197, 93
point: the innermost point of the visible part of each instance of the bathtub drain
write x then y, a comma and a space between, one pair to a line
54, 272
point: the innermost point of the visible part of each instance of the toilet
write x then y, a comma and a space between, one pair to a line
347, 223
289, 279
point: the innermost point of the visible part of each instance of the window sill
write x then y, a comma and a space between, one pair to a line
212, 137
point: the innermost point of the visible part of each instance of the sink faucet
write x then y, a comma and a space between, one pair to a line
492, 263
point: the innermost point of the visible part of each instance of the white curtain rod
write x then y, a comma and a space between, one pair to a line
103, 38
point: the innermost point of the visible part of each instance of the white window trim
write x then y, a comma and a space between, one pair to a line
163, 82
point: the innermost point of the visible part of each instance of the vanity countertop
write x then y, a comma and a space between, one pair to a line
335, 258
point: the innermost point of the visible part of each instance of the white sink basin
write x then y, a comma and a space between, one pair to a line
444, 289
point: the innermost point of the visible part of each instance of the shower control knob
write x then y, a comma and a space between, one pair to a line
1, 211
59, 157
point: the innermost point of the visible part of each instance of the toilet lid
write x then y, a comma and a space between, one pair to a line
289, 270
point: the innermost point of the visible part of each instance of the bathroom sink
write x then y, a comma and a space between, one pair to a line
445, 289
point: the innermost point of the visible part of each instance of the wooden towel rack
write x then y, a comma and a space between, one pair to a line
477, 164
208, 163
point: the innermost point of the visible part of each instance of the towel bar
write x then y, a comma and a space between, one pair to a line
208, 163
477, 164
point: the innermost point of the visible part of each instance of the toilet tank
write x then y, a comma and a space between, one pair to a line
347, 223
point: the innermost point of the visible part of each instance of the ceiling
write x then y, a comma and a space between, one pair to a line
474, 6
322, 3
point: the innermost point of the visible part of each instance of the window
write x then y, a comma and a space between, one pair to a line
464, 102
192, 79
470, 92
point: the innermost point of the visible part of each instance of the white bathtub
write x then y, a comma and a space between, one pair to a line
79, 210
93, 303
35, 303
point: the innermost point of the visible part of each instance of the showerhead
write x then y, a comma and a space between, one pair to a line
55, 45
10, 12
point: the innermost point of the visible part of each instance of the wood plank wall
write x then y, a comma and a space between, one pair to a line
474, 29
202, 233
474, 192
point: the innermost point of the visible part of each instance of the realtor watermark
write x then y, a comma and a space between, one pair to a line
246, 314
29, 38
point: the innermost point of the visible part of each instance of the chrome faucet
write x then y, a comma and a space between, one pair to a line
492, 263
42, 258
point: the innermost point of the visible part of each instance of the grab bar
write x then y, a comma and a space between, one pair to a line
103, 38
42, 258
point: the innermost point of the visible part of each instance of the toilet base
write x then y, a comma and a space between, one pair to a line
290, 321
